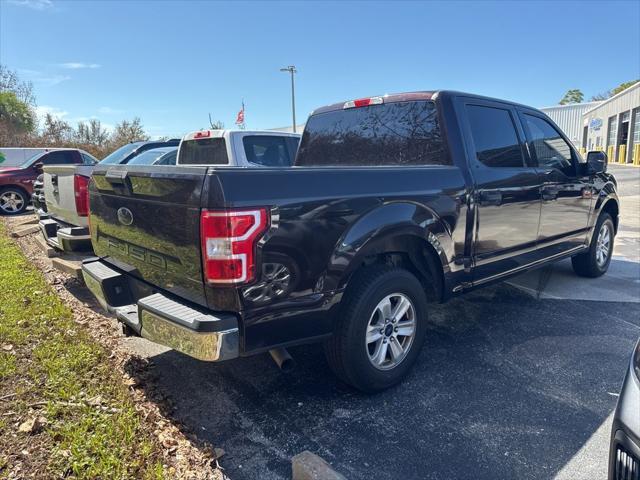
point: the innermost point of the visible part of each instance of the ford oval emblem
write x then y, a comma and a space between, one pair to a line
125, 216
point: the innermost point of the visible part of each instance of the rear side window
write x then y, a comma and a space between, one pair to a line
208, 151
266, 150
403, 133
168, 158
59, 158
88, 159
494, 136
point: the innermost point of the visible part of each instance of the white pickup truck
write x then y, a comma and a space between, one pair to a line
65, 224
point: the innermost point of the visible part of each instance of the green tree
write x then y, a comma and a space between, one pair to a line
623, 86
15, 115
56, 131
91, 133
127, 132
610, 93
572, 96
10, 82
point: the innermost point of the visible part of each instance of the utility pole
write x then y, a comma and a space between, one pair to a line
292, 69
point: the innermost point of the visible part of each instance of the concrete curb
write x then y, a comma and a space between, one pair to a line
48, 250
71, 267
308, 466
26, 230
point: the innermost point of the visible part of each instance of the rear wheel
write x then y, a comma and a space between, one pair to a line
381, 329
595, 261
13, 201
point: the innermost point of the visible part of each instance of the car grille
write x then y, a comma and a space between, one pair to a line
627, 467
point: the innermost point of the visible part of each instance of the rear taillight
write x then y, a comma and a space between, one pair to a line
81, 191
229, 241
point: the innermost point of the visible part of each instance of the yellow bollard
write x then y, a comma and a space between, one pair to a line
610, 151
636, 154
622, 154
583, 151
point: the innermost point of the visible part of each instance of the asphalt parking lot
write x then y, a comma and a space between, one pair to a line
514, 381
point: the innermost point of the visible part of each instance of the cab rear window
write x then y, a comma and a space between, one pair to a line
401, 133
208, 151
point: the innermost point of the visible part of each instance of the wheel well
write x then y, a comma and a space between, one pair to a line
15, 187
415, 255
611, 207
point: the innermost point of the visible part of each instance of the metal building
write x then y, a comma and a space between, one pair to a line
614, 126
569, 119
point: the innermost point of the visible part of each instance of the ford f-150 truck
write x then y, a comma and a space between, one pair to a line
394, 202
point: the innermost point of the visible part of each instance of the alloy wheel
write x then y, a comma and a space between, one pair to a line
11, 201
390, 331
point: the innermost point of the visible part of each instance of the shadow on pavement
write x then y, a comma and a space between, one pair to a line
506, 387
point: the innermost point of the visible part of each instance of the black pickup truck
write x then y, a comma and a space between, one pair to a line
393, 202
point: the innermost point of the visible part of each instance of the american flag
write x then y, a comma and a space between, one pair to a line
240, 117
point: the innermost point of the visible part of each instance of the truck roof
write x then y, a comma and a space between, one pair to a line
407, 97
219, 133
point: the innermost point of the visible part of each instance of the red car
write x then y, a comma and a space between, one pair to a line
16, 182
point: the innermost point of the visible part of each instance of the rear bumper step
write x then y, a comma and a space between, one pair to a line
68, 239
205, 336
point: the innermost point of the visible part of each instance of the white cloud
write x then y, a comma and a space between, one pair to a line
79, 65
34, 4
40, 77
109, 111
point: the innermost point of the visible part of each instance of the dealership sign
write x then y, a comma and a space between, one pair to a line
595, 123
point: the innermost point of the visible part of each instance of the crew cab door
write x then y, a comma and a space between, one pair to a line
566, 191
506, 188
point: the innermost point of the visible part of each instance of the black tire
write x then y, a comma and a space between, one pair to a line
587, 264
18, 195
347, 350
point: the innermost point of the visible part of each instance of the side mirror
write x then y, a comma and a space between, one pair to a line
596, 162
38, 166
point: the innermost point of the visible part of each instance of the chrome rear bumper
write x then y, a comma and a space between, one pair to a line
203, 335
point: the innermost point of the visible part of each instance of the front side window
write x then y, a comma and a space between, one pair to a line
266, 150
551, 150
207, 151
401, 133
494, 136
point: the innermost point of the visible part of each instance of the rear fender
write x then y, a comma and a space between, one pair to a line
388, 229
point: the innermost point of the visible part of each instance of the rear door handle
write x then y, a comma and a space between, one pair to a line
491, 197
550, 192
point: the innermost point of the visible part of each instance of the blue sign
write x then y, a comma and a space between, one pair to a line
595, 123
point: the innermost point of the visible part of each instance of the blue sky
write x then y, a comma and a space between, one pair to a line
171, 63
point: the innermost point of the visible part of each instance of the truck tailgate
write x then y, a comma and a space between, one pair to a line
146, 221
59, 192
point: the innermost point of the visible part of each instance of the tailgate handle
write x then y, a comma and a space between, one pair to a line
117, 177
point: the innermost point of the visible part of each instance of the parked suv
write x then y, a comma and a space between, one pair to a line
393, 202
16, 182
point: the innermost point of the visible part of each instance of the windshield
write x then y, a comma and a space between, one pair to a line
120, 154
150, 156
32, 159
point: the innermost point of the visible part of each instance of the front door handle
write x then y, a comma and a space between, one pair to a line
491, 197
